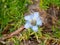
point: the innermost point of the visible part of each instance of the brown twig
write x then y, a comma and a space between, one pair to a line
13, 33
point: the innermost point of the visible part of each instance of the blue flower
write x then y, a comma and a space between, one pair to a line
33, 21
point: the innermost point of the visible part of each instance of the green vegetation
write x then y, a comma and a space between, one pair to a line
44, 4
12, 15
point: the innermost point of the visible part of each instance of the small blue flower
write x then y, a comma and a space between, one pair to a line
33, 21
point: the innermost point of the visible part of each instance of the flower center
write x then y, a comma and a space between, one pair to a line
33, 22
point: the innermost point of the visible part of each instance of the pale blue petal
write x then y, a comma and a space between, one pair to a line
27, 25
28, 18
36, 15
39, 22
35, 28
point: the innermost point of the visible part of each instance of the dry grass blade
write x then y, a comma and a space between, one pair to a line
13, 33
